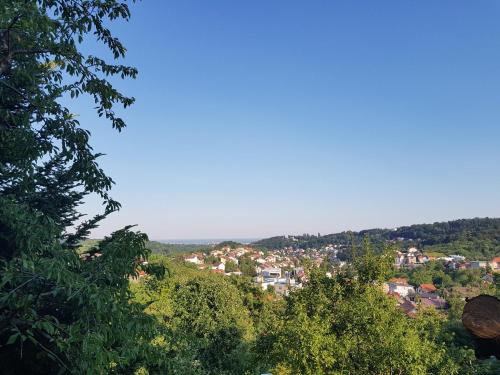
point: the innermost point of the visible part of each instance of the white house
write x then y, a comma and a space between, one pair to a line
193, 259
400, 286
271, 272
220, 266
412, 250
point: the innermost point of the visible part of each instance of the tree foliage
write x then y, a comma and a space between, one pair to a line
60, 311
64, 310
345, 324
205, 320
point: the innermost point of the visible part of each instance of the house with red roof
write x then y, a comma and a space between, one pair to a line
426, 288
427, 291
495, 264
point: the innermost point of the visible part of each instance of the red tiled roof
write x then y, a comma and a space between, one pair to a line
496, 260
428, 287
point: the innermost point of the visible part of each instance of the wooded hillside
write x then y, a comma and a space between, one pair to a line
477, 238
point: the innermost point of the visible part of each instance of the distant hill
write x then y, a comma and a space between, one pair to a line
477, 238
155, 247
230, 244
169, 248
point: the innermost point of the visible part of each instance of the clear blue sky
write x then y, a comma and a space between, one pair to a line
262, 118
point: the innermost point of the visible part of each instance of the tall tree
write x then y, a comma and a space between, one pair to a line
59, 310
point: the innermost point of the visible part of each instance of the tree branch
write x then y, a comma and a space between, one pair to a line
14, 21
29, 51
13, 89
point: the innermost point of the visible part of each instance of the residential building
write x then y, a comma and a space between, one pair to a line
195, 259
426, 288
399, 286
476, 264
271, 272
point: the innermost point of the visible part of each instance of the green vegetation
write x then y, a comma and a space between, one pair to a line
434, 272
68, 309
210, 324
87, 245
154, 246
230, 244
172, 249
477, 239
60, 312
231, 266
339, 325
206, 327
247, 266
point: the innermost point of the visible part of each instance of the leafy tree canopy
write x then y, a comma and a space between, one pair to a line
60, 311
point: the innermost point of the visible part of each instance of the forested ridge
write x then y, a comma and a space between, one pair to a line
112, 307
154, 246
477, 238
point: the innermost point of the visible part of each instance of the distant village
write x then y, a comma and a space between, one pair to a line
409, 297
277, 270
283, 270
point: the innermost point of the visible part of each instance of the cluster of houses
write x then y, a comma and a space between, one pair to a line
411, 258
409, 298
453, 263
200, 260
222, 256
414, 258
276, 269
281, 282
281, 270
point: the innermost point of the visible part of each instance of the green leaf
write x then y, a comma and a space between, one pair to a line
13, 338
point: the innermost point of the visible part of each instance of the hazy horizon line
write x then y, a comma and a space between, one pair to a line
246, 240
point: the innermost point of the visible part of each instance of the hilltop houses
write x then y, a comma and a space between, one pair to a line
414, 258
276, 268
410, 259
453, 262
281, 271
